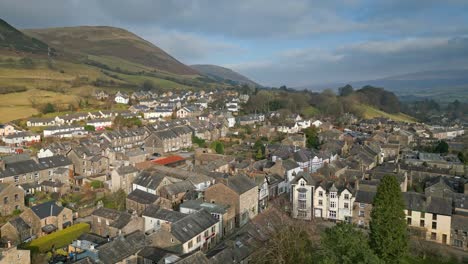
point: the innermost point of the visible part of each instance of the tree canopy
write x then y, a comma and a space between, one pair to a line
346, 245
388, 234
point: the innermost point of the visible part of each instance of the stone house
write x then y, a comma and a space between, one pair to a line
176, 192
138, 200
240, 193
47, 217
12, 198
154, 217
125, 139
111, 223
220, 212
54, 168
196, 231
123, 177
362, 208
88, 161
123, 250
168, 140
16, 231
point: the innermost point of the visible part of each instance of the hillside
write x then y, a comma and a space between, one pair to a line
84, 60
15, 40
223, 74
109, 42
443, 86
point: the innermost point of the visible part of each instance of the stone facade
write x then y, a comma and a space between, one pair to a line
12, 198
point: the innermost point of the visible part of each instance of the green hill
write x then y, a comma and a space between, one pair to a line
84, 60
110, 42
15, 40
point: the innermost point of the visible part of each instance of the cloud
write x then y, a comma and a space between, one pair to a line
359, 61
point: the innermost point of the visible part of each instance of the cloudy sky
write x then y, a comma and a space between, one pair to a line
275, 42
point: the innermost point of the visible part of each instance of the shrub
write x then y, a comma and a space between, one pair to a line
58, 239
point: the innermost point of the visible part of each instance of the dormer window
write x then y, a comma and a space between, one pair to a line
302, 183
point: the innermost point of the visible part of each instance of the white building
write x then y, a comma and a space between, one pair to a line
121, 98
21, 138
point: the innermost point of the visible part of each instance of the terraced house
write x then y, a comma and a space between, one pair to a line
168, 140
125, 139
34, 171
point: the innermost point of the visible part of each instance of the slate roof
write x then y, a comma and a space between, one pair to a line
107, 213
121, 247
460, 222
21, 167
178, 187
47, 209
122, 221
154, 254
142, 197
126, 170
241, 184
210, 207
290, 164
149, 180
19, 224
192, 225
196, 258
439, 205
414, 201
163, 214
365, 197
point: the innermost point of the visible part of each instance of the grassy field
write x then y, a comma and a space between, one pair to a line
371, 112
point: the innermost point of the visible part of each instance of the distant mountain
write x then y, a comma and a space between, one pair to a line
110, 43
223, 74
15, 40
443, 86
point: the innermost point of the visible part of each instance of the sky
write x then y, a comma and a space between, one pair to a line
277, 42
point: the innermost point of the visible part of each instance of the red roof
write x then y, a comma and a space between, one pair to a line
168, 160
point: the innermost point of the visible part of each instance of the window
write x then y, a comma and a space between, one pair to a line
207, 233
360, 223
433, 236
302, 183
410, 212
332, 195
421, 223
332, 214
346, 205
362, 205
320, 202
302, 196
107, 222
302, 214
213, 229
361, 213
99, 220
320, 194
302, 204
198, 239
16, 197
5, 200
346, 196
434, 216
408, 221
16, 179
434, 225
457, 243
190, 244
332, 204
423, 215
64, 217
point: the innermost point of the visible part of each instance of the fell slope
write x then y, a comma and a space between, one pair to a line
223, 74
110, 42
13, 39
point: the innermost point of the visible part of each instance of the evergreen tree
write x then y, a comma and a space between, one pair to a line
388, 234
345, 244
259, 154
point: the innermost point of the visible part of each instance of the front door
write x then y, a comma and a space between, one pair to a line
444, 239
